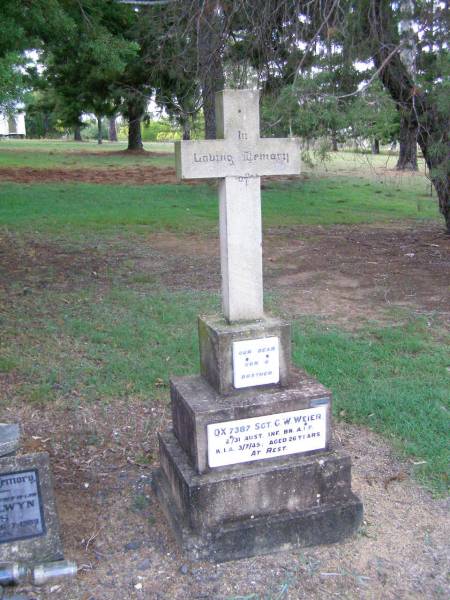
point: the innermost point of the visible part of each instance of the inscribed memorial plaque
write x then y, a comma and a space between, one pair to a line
29, 530
256, 362
21, 515
257, 438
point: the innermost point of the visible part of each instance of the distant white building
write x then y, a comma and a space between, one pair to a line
13, 125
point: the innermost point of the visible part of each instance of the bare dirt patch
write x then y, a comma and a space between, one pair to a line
350, 272
134, 175
343, 273
27, 265
137, 175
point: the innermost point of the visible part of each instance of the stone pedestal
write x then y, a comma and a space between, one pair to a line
216, 338
249, 470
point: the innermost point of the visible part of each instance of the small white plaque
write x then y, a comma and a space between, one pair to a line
257, 438
256, 362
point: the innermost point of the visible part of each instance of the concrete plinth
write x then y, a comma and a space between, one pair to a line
255, 509
195, 404
216, 338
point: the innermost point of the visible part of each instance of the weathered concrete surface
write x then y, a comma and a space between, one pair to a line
208, 159
241, 248
9, 438
228, 515
289, 484
216, 338
195, 404
45, 547
241, 152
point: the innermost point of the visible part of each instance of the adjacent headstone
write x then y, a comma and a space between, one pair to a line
29, 530
9, 438
249, 466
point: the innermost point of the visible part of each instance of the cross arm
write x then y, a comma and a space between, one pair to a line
229, 158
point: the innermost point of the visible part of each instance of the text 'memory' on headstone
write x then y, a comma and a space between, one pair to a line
239, 160
29, 530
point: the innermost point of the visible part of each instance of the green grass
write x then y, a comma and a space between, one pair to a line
343, 200
363, 162
84, 208
124, 343
395, 380
44, 154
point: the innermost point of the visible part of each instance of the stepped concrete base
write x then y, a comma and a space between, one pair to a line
195, 404
246, 510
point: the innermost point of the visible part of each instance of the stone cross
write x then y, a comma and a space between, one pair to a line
238, 158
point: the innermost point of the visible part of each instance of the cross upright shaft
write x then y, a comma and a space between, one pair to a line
238, 158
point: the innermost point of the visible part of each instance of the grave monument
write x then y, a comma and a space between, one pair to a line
249, 466
29, 528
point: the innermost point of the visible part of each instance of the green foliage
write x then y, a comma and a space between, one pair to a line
170, 136
100, 55
176, 81
301, 110
152, 129
23, 23
165, 130
311, 110
373, 115
12, 83
40, 115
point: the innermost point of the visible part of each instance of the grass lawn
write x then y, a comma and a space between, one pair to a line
97, 342
89, 208
52, 154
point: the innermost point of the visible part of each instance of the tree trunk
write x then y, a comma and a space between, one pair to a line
135, 110
45, 124
375, 146
334, 143
77, 134
112, 130
407, 159
210, 62
186, 129
432, 125
99, 130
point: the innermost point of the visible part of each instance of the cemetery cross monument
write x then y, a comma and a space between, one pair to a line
249, 466
239, 160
